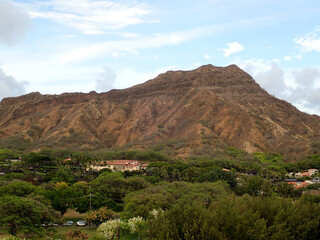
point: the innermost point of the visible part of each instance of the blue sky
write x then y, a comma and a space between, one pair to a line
57, 46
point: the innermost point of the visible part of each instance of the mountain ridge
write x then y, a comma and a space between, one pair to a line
208, 106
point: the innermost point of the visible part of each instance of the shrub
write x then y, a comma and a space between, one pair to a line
76, 235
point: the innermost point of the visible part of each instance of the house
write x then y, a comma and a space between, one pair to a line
306, 174
124, 165
313, 171
144, 166
13, 160
67, 160
312, 181
118, 165
298, 185
298, 175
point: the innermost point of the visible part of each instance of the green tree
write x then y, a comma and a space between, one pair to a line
250, 185
62, 197
115, 186
163, 195
286, 190
7, 153
233, 217
216, 174
25, 214
18, 188
64, 174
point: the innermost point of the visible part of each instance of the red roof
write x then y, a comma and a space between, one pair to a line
299, 184
66, 160
122, 162
306, 174
133, 165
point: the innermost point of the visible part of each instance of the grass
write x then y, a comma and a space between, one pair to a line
72, 215
58, 232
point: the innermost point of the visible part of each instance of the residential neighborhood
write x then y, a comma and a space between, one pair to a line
296, 181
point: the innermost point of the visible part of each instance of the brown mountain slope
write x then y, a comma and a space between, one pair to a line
207, 106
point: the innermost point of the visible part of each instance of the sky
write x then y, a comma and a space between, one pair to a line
57, 46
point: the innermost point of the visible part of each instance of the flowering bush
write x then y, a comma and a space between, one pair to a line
135, 224
11, 238
111, 228
155, 213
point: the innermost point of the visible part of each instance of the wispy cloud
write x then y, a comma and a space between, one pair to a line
310, 41
157, 40
14, 22
92, 16
113, 48
232, 48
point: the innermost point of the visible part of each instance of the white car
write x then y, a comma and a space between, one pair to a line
68, 223
81, 223
51, 224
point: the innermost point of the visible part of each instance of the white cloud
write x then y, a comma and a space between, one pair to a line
232, 48
253, 66
105, 80
196, 65
306, 96
272, 79
269, 75
14, 22
207, 57
10, 87
300, 87
306, 78
128, 77
287, 58
132, 46
92, 16
309, 41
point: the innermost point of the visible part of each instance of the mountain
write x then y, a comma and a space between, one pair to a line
209, 106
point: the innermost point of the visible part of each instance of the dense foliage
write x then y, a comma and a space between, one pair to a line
221, 195
234, 217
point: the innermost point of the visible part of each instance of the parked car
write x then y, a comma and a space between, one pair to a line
67, 223
81, 223
51, 224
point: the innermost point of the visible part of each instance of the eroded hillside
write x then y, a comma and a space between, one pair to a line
207, 106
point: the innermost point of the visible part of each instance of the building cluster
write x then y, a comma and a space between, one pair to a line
311, 173
118, 165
